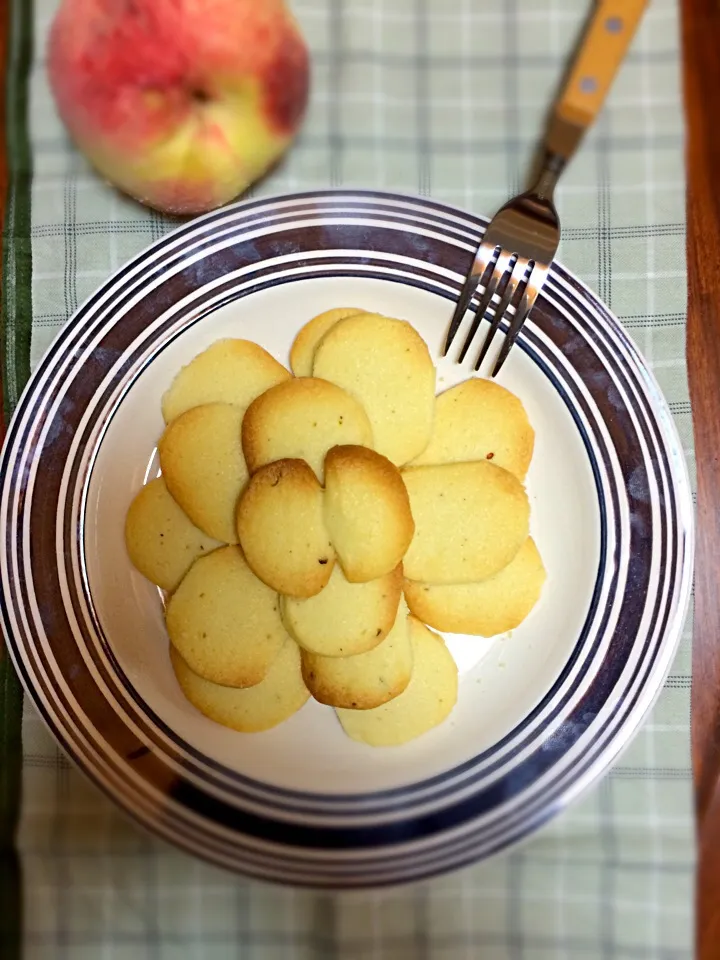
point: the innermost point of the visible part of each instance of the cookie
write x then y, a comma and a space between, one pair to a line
470, 521
480, 420
386, 366
276, 698
487, 608
203, 465
302, 419
229, 371
425, 703
302, 351
368, 679
367, 512
281, 529
345, 618
161, 541
224, 622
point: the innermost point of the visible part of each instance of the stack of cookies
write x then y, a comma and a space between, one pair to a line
308, 528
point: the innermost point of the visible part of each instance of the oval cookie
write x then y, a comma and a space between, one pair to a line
202, 461
427, 701
302, 419
302, 351
224, 622
480, 420
487, 608
470, 521
367, 512
276, 698
386, 366
161, 541
368, 679
281, 529
229, 371
345, 618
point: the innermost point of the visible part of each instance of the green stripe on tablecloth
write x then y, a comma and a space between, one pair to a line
16, 313
17, 247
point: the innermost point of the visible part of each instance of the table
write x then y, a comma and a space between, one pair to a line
701, 22
701, 25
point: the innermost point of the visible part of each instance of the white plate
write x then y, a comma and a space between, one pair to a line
540, 714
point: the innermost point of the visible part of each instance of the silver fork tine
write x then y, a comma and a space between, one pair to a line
509, 298
523, 308
511, 336
495, 284
483, 258
513, 298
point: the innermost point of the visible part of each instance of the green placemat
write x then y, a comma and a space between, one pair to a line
443, 98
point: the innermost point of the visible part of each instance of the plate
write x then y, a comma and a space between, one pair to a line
541, 713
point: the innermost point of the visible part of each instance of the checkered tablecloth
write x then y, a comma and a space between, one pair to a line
442, 98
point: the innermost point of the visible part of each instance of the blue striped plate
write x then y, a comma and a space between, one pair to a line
541, 713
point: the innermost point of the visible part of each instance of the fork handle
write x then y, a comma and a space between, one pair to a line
609, 33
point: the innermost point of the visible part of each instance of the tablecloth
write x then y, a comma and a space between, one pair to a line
442, 98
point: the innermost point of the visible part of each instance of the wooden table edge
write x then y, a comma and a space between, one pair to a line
701, 75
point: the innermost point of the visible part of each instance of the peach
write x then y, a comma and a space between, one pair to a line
180, 103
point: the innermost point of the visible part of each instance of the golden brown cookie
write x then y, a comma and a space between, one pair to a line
161, 541
470, 521
276, 698
303, 348
281, 529
229, 371
424, 704
367, 512
365, 680
345, 618
386, 366
480, 420
486, 608
302, 419
202, 461
224, 622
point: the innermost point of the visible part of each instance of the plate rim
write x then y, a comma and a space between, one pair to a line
679, 473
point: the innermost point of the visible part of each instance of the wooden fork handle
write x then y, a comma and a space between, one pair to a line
609, 33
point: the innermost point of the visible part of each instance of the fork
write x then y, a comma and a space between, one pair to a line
514, 257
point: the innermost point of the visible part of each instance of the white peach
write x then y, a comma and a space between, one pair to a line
180, 103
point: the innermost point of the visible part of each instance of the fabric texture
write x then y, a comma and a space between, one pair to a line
444, 98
